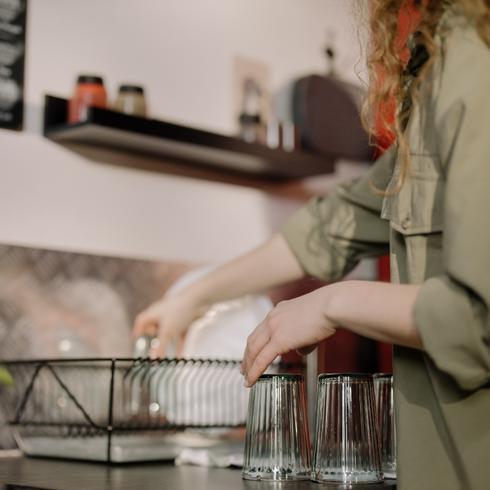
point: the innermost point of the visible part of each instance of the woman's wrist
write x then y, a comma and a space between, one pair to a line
197, 296
381, 311
334, 304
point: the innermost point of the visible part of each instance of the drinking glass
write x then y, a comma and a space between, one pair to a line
346, 448
385, 416
277, 445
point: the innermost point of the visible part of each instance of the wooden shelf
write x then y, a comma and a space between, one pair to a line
105, 128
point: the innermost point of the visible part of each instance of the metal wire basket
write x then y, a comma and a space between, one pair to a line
119, 410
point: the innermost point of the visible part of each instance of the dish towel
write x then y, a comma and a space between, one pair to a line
220, 456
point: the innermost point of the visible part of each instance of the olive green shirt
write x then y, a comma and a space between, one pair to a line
437, 231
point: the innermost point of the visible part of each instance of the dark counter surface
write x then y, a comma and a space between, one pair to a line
64, 475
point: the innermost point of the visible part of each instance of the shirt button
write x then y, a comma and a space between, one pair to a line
406, 223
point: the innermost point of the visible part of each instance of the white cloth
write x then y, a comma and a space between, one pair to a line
221, 456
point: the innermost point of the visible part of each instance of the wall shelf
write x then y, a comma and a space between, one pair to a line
110, 129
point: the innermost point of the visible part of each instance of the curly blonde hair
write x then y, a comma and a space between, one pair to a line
394, 85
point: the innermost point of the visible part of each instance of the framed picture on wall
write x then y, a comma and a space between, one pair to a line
13, 15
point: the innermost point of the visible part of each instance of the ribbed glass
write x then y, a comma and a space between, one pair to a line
385, 416
346, 448
277, 445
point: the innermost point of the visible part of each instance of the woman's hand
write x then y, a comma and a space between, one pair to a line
300, 323
378, 310
167, 319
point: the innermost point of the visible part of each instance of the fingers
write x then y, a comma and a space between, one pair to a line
146, 323
262, 348
260, 363
255, 343
159, 345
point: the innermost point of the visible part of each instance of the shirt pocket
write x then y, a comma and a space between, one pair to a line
417, 208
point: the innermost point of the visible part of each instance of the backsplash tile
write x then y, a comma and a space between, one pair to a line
62, 304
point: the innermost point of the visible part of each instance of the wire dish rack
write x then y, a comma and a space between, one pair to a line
120, 410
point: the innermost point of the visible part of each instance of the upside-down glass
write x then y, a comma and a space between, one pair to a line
346, 448
277, 445
385, 416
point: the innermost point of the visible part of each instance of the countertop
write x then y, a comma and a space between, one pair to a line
63, 475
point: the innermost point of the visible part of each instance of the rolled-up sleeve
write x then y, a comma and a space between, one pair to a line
331, 234
452, 311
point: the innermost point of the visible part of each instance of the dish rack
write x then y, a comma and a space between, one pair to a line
122, 410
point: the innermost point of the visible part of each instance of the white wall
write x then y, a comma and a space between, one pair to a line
182, 51
52, 198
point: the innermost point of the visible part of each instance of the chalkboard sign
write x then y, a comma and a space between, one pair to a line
12, 54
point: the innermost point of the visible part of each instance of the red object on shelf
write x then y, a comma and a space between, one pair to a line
89, 92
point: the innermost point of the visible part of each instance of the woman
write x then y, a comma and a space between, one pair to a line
425, 200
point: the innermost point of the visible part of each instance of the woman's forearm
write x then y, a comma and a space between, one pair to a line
381, 311
267, 266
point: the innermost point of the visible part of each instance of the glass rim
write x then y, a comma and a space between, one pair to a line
382, 375
346, 375
288, 376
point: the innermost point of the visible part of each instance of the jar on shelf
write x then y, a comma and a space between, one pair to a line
131, 100
89, 92
251, 129
250, 119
